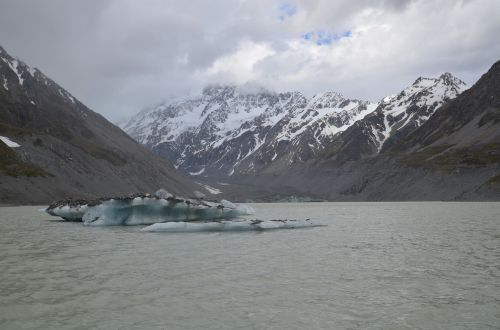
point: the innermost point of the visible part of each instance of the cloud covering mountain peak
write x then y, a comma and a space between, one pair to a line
118, 56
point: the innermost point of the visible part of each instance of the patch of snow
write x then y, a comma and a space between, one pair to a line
66, 95
212, 190
197, 173
331, 130
5, 83
388, 98
385, 133
32, 71
9, 142
71, 98
14, 67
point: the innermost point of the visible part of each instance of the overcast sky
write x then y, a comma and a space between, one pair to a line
119, 56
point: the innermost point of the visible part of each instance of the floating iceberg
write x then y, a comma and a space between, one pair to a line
145, 209
164, 212
228, 225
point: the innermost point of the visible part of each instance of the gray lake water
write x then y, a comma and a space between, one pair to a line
375, 266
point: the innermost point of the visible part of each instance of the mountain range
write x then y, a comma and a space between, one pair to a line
229, 130
261, 145
233, 130
434, 140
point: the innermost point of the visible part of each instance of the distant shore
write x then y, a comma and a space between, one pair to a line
20, 205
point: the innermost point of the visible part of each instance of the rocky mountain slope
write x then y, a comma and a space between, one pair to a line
469, 121
395, 118
464, 133
66, 149
454, 155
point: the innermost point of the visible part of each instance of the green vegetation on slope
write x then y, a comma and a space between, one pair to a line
10, 164
446, 157
84, 144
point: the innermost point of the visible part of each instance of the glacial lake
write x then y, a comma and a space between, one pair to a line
412, 265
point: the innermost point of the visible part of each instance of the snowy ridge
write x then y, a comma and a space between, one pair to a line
19, 68
230, 129
16, 73
414, 105
394, 118
223, 108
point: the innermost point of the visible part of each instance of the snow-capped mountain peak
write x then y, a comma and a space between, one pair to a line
241, 128
396, 116
244, 129
18, 76
415, 104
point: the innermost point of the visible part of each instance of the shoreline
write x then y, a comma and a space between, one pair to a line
22, 205
368, 201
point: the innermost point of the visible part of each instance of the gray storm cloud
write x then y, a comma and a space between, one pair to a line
120, 56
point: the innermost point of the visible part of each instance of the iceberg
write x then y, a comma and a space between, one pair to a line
164, 212
145, 209
231, 225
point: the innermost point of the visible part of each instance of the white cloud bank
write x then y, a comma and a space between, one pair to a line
118, 56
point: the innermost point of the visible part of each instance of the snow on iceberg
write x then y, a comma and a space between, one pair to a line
144, 209
228, 225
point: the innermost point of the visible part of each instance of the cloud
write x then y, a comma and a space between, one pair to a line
119, 56
237, 67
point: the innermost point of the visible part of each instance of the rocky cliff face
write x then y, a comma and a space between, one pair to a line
65, 148
469, 120
462, 134
395, 118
